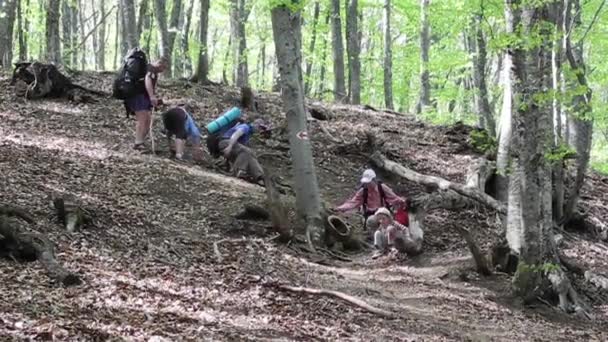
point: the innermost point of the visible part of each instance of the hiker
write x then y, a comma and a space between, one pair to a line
234, 145
178, 122
136, 85
390, 233
371, 196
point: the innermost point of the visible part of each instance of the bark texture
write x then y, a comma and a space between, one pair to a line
311, 49
238, 18
388, 56
53, 42
425, 43
353, 48
202, 66
482, 103
130, 25
338, 52
7, 24
288, 39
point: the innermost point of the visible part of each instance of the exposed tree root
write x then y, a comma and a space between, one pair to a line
29, 246
350, 299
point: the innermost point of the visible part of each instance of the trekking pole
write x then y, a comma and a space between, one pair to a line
151, 132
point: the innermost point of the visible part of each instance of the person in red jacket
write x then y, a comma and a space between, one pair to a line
372, 196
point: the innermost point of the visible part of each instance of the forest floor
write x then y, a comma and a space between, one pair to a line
148, 259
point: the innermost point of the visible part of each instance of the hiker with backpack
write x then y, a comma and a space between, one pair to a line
178, 122
136, 86
371, 196
234, 146
390, 233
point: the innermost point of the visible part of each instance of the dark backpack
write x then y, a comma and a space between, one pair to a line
382, 196
130, 79
213, 140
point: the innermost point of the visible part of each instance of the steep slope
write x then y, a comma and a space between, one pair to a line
148, 256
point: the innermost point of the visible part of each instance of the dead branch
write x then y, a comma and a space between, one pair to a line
350, 299
9, 211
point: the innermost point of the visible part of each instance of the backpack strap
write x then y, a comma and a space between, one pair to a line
382, 195
364, 206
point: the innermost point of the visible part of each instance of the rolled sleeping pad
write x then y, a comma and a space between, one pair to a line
224, 120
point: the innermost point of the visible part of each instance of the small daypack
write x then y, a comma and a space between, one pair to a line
130, 78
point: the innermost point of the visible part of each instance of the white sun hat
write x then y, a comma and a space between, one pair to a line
383, 211
368, 176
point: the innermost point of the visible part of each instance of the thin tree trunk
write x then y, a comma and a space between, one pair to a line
130, 26
353, 47
23, 29
7, 24
226, 57
482, 104
73, 13
174, 26
83, 55
261, 70
388, 56
581, 120
101, 45
122, 29
202, 66
311, 49
288, 38
53, 42
214, 39
116, 35
186, 62
338, 52
66, 28
142, 18
95, 37
425, 83
165, 41
321, 88
556, 67
238, 18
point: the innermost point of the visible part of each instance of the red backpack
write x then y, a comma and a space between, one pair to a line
402, 217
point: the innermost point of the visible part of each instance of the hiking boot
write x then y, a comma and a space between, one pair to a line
139, 147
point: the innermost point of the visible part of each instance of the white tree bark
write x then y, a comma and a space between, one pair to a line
425, 42
288, 46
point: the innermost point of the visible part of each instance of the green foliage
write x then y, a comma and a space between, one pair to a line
559, 153
482, 142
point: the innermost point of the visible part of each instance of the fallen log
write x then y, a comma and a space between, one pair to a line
34, 80
437, 182
348, 298
29, 246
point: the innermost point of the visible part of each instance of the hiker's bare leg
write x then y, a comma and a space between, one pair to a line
180, 146
142, 125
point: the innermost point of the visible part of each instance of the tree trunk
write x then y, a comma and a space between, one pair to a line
24, 28
388, 56
53, 42
124, 39
530, 220
7, 23
580, 120
482, 104
556, 67
83, 55
186, 62
322, 72
66, 28
288, 39
130, 26
142, 18
225, 64
353, 48
425, 82
202, 66
101, 36
238, 18
338, 52
73, 13
311, 49
166, 48
505, 128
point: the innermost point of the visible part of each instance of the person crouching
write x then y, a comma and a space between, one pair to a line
391, 233
234, 146
179, 123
